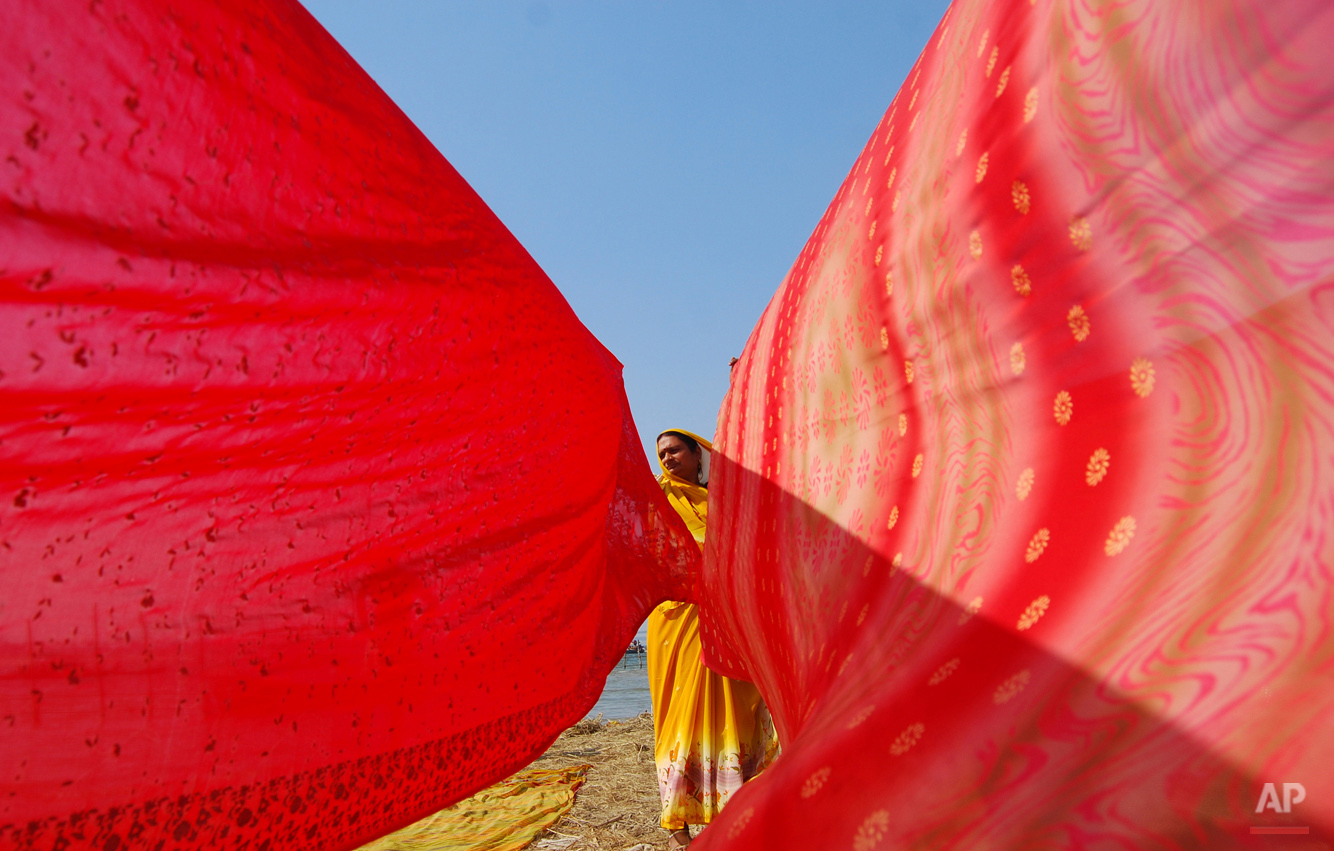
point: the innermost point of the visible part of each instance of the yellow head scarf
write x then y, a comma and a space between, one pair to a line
690, 499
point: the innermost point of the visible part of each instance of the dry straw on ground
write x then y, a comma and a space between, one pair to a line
617, 807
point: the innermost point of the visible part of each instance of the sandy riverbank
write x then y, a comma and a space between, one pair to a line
617, 807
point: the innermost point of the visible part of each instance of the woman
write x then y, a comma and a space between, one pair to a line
711, 733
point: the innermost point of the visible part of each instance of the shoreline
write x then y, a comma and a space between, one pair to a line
617, 807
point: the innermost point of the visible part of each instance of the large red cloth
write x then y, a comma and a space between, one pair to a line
320, 508
1021, 511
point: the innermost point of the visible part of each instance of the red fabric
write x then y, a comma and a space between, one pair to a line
320, 508
1020, 508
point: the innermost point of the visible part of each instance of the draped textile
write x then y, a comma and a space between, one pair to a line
505, 817
711, 734
1022, 487
283, 563
1018, 510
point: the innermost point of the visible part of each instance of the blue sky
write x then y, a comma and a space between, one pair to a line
663, 162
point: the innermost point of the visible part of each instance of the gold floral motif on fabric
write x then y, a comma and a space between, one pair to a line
871, 831
1017, 360
943, 672
1019, 278
1079, 323
1081, 234
1099, 461
1036, 545
1120, 536
814, 783
907, 739
1063, 408
1023, 201
1034, 613
1141, 377
1010, 689
1025, 484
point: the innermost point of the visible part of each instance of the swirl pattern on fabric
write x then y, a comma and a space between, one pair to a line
286, 540
1023, 479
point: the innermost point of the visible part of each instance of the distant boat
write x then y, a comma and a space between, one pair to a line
636, 647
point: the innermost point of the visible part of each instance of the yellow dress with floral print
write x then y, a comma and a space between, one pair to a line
711, 733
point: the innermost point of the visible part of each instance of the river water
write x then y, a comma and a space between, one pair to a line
626, 694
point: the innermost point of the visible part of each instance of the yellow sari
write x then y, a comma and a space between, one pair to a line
711, 733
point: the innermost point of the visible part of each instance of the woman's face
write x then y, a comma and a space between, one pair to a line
680, 460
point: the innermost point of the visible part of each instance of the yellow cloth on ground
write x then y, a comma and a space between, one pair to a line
711, 733
503, 817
